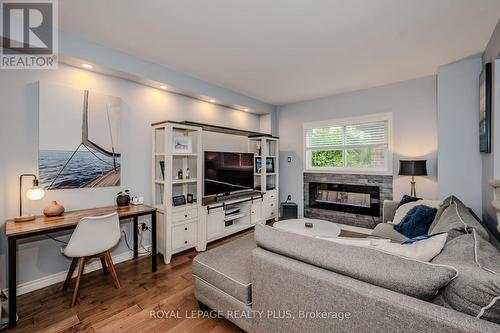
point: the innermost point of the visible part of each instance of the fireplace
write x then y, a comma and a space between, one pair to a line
356, 199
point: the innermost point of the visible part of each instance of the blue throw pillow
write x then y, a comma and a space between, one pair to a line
417, 221
406, 198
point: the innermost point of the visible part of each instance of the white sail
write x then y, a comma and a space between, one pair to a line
101, 123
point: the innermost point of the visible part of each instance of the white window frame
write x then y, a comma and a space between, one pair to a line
388, 167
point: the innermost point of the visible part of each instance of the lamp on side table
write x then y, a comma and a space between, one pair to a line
413, 168
34, 193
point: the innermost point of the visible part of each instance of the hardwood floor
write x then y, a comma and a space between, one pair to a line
103, 308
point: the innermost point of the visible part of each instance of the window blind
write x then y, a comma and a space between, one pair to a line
352, 135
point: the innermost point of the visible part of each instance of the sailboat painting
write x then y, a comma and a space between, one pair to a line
79, 138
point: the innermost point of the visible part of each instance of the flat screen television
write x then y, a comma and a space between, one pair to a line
228, 172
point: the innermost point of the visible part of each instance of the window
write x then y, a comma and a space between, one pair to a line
355, 144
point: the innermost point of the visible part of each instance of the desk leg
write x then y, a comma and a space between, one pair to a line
136, 241
154, 257
12, 282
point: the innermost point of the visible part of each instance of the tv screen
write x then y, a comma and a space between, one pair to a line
228, 172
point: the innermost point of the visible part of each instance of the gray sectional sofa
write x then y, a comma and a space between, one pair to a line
275, 281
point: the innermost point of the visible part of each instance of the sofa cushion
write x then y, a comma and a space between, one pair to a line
406, 199
386, 230
417, 221
476, 290
407, 276
457, 220
227, 267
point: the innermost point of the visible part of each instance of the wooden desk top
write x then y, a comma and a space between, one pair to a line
69, 219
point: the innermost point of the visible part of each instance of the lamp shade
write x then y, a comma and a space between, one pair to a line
413, 167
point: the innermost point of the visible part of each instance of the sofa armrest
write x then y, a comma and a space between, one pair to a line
293, 296
389, 210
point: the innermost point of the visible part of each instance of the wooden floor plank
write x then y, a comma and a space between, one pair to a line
103, 308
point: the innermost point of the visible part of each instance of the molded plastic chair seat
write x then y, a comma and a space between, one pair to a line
93, 237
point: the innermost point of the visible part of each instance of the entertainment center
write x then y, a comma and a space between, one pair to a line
202, 196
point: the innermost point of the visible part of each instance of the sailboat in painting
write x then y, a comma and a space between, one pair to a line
88, 153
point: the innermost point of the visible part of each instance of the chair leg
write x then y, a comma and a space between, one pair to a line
78, 278
111, 267
70, 273
103, 263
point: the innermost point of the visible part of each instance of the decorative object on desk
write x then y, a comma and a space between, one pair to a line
162, 168
413, 168
179, 174
187, 173
190, 198
85, 149
54, 209
137, 200
179, 200
485, 84
182, 145
34, 193
123, 198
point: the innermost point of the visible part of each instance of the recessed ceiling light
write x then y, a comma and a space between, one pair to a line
87, 66
212, 100
245, 109
163, 87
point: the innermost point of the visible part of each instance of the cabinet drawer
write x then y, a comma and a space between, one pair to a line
271, 195
271, 209
184, 215
184, 235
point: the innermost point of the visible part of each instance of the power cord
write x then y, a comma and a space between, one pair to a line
55, 239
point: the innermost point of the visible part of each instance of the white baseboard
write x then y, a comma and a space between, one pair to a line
49, 280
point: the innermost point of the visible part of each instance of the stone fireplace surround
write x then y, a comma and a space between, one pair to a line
382, 181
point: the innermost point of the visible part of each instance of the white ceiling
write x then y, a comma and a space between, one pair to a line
283, 51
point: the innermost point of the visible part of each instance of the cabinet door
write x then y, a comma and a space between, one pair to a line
257, 212
215, 223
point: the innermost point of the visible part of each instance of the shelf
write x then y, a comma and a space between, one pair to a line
184, 181
187, 206
234, 216
271, 174
161, 182
237, 227
184, 155
159, 154
257, 174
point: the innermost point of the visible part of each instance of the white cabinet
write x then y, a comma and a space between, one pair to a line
256, 217
215, 223
184, 235
271, 205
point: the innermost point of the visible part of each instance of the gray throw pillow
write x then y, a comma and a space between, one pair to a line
406, 276
386, 230
476, 290
456, 219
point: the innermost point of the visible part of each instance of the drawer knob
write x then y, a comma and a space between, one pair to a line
185, 215
185, 242
272, 205
185, 228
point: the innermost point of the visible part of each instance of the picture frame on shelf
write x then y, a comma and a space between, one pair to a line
269, 164
182, 145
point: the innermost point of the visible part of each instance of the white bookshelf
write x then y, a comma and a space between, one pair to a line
179, 227
268, 181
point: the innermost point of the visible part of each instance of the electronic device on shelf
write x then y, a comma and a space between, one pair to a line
227, 173
179, 200
232, 210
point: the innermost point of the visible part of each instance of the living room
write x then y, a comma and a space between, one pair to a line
250, 166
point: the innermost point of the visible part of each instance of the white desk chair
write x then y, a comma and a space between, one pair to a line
93, 237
